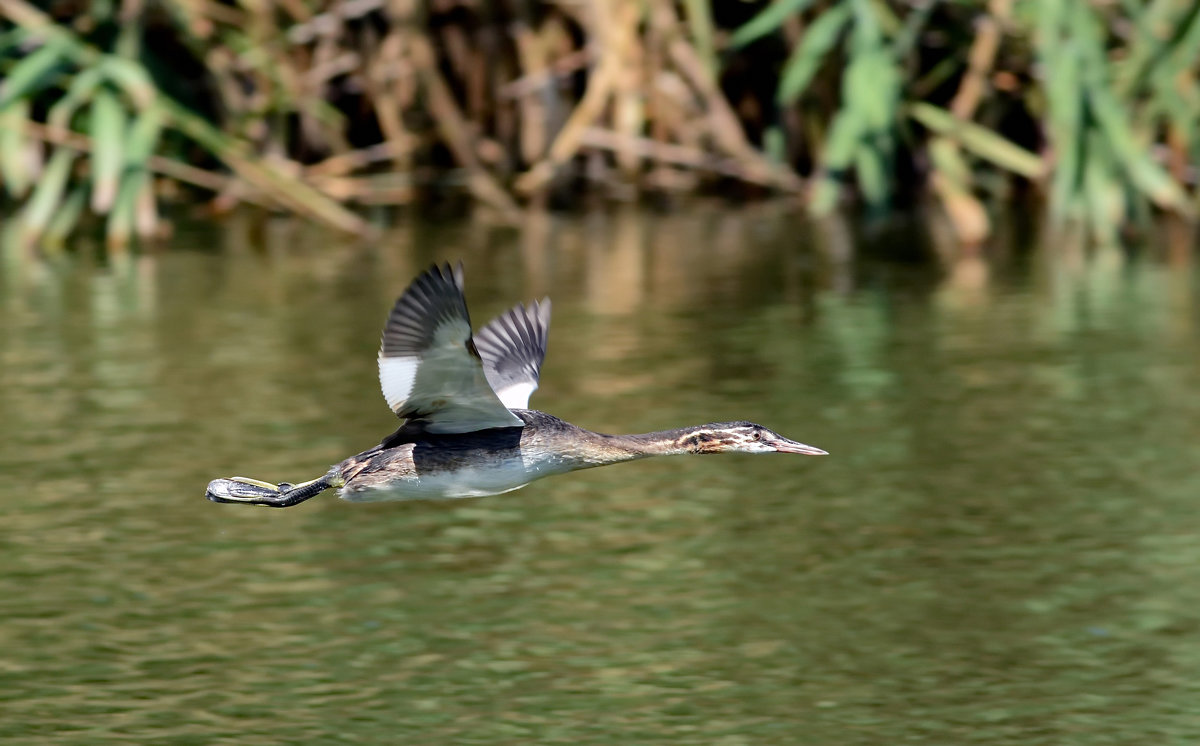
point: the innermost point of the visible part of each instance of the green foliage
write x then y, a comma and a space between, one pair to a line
31, 73
864, 129
105, 105
1108, 94
15, 147
982, 142
46, 196
1111, 113
768, 21
1104, 116
811, 52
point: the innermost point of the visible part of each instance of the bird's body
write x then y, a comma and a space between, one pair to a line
476, 464
467, 431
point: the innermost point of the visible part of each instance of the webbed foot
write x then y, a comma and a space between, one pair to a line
241, 490
256, 492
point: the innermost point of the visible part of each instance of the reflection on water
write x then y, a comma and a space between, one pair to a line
1001, 549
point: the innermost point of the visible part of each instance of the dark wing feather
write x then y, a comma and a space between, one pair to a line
513, 346
433, 299
429, 369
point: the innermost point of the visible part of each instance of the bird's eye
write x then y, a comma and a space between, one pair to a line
757, 435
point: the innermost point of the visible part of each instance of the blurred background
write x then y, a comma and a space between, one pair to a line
949, 242
110, 110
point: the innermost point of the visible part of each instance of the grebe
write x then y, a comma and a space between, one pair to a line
467, 430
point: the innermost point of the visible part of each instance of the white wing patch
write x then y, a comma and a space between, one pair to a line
516, 396
441, 362
513, 346
396, 377
429, 369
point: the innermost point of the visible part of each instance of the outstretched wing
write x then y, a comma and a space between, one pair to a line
429, 369
513, 346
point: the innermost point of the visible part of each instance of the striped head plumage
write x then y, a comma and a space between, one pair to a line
740, 437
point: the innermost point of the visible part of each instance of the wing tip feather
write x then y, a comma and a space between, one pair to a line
523, 328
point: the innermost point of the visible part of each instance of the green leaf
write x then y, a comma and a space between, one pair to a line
13, 38
124, 211
887, 18
129, 208
102, 10
28, 75
872, 87
1050, 20
14, 148
132, 78
979, 140
906, 37
108, 130
1065, 102
1184, 116
143, 137
1102, 192
1187, 47
66, 217
868, 37
845, 134
806, 58
1139, 166
775, 144
770, 19
699, 17
47, 195
824, 196
873, 183
948, 161
1141, 48
80, 90
845, 137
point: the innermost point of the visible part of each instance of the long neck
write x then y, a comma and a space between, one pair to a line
578, 448
663, 442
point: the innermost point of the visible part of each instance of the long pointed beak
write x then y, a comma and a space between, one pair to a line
783, 445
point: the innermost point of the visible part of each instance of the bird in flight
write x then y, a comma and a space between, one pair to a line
467, 430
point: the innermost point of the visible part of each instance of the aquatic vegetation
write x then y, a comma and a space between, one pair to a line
317, 107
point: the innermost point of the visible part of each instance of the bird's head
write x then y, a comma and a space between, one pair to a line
742, 437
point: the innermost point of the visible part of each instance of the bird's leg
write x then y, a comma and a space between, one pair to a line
256, 492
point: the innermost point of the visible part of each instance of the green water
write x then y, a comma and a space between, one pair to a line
1003, 547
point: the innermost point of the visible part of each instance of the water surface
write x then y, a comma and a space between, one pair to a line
1002, 547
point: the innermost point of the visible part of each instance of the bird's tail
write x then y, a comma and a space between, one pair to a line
256, 492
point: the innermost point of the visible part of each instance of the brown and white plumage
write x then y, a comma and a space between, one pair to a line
463, 398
